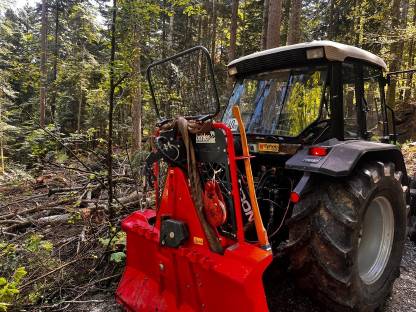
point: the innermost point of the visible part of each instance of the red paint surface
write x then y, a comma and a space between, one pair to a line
191, 277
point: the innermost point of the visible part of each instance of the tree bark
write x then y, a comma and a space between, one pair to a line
55, 60
136, 105
233, 30
43, 59
214, 30
233, 38
411, 61
396, 48
293, 35
110, 112
171, 30
331, 30
81, 78
265, 24
1, 139
163, 16
274, 22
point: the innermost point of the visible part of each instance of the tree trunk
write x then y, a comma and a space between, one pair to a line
396, 49
331, 30
110, 112
233, 30
265, 24
233, 37
1, 140
361, 24
81, 77
274, 21
214, 30
55, 61
293, 35
163, 16
136, 104
171, 30
408, 93
43, 42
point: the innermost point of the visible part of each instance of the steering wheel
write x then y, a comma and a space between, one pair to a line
315, 125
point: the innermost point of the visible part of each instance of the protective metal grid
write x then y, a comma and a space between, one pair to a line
184, 85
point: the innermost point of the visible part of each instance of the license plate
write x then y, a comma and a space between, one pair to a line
269, 147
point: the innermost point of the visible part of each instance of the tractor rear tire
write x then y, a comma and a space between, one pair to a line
330, 224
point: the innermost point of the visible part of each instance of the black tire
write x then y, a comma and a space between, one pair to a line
324, 235
412, 218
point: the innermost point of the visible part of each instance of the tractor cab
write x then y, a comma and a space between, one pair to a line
308, 93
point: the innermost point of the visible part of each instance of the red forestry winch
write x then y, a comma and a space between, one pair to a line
170, 264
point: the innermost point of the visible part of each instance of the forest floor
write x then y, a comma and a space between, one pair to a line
54, 224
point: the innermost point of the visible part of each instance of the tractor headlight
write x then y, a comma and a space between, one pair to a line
315, 53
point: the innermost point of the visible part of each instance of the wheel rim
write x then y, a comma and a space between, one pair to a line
376, 240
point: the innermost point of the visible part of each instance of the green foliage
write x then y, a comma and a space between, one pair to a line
78, 71
118, 257
38, 143
304, 103
33, 254
35, 243
118, 239
117, 244
9, 289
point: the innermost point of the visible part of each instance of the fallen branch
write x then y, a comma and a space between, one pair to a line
41, 221
49, 273
133, 197
52, 219
23, 200
48, 206
64, 190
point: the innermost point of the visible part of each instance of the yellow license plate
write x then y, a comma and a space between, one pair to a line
269, 147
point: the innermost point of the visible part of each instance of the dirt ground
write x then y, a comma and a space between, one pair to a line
91, 286
403, 297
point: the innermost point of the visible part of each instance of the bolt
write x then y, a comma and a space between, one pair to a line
161, 266
171, 235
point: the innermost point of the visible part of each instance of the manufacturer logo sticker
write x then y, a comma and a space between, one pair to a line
232, 124
269, 147
198, 240
205, 138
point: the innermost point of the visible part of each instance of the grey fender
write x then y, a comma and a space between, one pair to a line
344, 156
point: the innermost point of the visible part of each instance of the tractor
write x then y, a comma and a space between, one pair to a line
301, 165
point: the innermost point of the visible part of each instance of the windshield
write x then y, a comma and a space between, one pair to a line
282, 102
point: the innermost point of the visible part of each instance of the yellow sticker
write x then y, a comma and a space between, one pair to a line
269, 147
198, 240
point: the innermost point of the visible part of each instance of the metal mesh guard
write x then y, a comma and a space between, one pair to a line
184, 85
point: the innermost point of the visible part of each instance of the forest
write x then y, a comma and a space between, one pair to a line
76, 114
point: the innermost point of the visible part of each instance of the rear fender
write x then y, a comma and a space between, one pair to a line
344, 156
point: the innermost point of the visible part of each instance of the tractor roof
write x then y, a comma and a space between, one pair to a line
301, 53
